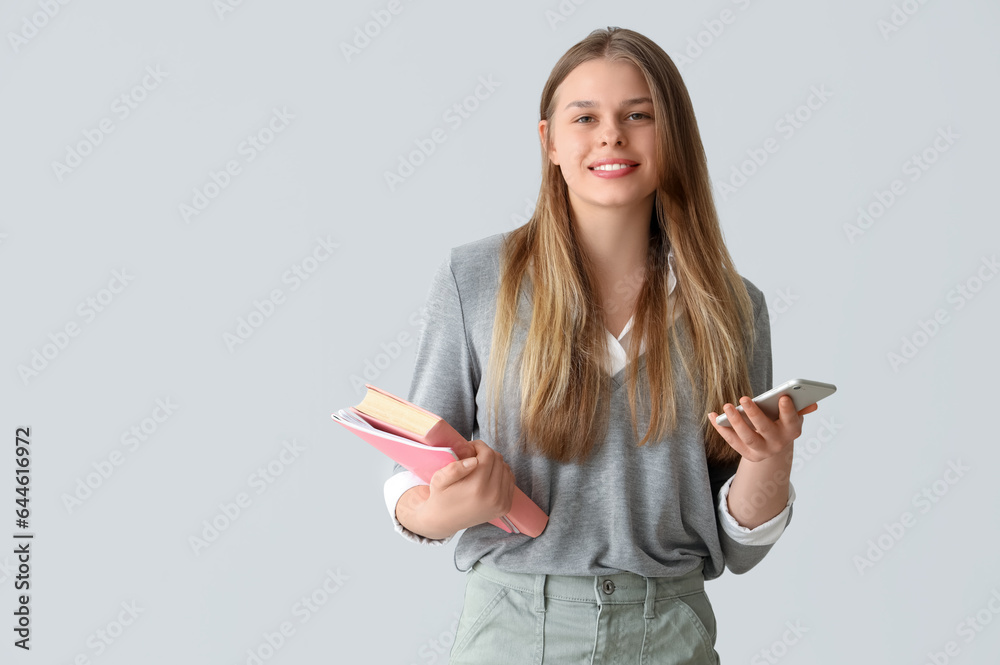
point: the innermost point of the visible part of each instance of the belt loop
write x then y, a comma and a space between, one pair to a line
649, 607
539, 594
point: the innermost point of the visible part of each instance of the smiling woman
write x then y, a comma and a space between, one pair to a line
603, 138
585, 347
604, 142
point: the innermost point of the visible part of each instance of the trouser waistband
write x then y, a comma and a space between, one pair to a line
613, 589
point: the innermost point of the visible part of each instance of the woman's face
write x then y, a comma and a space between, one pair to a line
603, 136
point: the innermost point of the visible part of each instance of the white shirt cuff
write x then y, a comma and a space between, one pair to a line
765, 534
394, 488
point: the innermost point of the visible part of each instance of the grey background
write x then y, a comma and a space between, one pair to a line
162, 337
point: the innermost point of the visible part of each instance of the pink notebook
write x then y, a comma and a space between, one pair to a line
425, 457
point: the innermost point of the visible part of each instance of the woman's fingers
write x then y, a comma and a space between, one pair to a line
450, 474
497, 488
464, 449
729, 435
745, 432
808, 409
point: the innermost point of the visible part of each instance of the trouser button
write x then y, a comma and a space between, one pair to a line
608, 586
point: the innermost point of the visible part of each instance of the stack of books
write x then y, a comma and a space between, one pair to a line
423, 443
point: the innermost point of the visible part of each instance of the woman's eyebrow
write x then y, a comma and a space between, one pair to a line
589, 104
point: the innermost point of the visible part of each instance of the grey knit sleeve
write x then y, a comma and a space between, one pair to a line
741, 557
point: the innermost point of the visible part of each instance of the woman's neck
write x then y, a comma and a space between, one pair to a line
615, 239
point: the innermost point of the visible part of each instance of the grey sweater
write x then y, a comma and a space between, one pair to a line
649, 510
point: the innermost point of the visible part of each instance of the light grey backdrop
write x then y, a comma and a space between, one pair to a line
198, 241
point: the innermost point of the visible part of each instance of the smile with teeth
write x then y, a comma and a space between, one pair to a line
612, 167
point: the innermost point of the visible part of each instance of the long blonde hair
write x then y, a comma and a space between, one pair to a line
564, 389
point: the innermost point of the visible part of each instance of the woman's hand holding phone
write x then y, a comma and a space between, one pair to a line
765, 437
762, 427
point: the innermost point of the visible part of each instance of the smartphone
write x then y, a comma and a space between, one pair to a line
802, 391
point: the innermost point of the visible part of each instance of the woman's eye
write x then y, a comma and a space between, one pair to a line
585, 119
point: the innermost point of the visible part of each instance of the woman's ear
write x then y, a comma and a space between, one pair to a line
543, 128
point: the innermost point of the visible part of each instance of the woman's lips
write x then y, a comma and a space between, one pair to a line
617, 168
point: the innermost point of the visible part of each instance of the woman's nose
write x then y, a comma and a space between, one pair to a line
613, 135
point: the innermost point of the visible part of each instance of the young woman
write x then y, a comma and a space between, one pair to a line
589, 348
